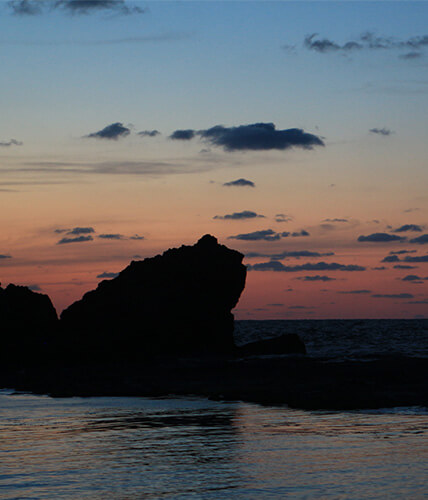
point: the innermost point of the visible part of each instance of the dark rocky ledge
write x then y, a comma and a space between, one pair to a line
164, 327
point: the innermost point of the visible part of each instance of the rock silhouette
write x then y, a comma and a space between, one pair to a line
177, 303
28, 324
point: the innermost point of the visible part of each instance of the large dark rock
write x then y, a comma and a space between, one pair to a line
177, 303
28, 323
288, 343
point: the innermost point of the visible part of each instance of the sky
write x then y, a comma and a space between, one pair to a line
294, 132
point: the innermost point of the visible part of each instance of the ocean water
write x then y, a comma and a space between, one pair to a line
173, 448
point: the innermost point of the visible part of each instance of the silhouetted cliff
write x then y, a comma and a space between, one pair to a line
28, 324
179, 302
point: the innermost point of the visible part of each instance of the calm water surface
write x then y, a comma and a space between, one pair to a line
122, 448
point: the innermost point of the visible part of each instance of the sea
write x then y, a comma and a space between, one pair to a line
187, 447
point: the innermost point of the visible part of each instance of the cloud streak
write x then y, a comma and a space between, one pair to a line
12, 142
72, 7
78, 239
380, 238
240, 183
111, 132
277, 266
246, 214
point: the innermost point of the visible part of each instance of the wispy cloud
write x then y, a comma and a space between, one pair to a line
12, 142
381, 131
72, 7
277, 266
78, 239
381, 238
246, 214
240, 183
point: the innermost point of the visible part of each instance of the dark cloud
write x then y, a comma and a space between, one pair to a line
3, 256
111, 132
12, 142
400, 252
403, 266
183, 135
283, 255
424, 302
79, 230
393, 296
136, 237
335, 220
34, 288
26, 7
381, 268
148, 133
276, 304
418, 258
266, 235
240, 182
408, 227
381, 131
78, 239
277, 266
107, 275
421, 240
83, 7
354, 292
111, 236
283, 218
324, 45
316, 278
411, 55
366, 40
300, 233
246, 214
391, 258
381, 238
301, 307
258, 136
73, 7
414, 277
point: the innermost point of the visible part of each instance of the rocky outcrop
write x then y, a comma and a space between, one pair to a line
288, 343
28, 322
177, 303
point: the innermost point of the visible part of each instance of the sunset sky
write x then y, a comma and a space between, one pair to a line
295, 132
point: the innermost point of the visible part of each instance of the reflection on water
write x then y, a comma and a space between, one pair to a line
181, 448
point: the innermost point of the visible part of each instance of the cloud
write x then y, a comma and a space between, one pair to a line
411, 55
266, 235
283, 218
417, 258
240, 183
335, 220
381, 268
78, 230
26, 7
301, 307
276, 304
393, 296
408, 227
421, 240
367, 40
12, 142
3, 256
111, 132
391, 258
277, 266
183, 135
148, 133
381, 131
78, 239
111, 236
413, 277
283, 255
34, 288
354, 292
107, 275
136, 237
424, 302
73, 7
316, 278
299, 233
381, 238
258, 136
401, 266
246, 214
400, 252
